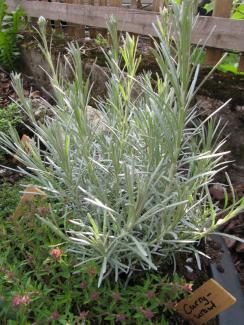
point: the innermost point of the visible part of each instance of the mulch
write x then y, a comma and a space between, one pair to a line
7, 93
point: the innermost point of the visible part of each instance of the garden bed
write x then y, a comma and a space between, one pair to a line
235, 227
41, 236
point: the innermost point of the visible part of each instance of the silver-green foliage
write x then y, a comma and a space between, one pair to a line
135, 194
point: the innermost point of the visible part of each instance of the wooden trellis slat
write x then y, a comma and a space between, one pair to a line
228, 33
222, 8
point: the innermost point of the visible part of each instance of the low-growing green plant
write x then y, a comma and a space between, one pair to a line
101, 41
10, 24
37, 284
9, 116
9, 196
134, 187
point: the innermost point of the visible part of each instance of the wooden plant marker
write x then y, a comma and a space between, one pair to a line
30, 194
222, 8
205, 303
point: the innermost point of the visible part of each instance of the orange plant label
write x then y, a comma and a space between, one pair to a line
205, 303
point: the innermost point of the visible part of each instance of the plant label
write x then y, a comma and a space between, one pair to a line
205, 303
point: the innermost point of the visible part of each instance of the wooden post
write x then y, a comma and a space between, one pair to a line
157, 4
222, 8
75, 30
135, 4
114, 3
57, 25
50, 24
92, 30
33, 21
241, 63
102, 31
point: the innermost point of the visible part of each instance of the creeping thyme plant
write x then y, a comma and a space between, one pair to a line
134, 187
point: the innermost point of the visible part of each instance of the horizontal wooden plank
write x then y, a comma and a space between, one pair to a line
228, 34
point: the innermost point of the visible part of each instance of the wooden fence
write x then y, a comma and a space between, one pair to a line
225, 34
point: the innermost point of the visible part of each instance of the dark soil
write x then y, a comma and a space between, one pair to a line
218, 89
223, 86
7, 93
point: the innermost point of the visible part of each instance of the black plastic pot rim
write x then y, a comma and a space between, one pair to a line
230, 281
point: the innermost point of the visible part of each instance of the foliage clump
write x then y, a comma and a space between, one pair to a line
135, 193
37, 283
9, 196
9, 116
10, 24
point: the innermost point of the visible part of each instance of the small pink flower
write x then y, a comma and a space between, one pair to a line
43, 211
56, 253
25, 300
18, 301
83, 315
95, 296
147, 313
116, 296
10, 275
55, 315
150, 295
83, 285
30, 258
187, 288
120, 317
91, 271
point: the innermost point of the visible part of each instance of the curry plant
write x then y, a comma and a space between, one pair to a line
135, 193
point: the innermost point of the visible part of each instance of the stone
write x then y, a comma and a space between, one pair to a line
96, 119
99, 76
240, 248
217, 191
40, 108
